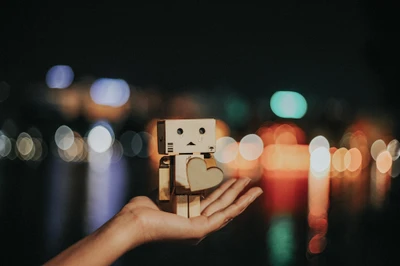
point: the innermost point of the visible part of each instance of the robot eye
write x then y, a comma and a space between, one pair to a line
202, 130
179, 131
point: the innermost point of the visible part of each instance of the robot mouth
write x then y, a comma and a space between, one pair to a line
191, 144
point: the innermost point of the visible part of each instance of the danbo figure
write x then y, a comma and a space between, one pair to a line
189, 168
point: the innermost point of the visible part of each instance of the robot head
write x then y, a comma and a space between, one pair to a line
176, 136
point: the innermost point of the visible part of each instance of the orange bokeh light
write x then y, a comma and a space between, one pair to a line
355, 158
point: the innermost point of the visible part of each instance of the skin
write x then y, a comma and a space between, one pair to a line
141, 221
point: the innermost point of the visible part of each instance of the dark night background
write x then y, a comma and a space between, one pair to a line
339, 49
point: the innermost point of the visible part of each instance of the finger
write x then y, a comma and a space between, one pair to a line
219, 219
217, 193
227, 197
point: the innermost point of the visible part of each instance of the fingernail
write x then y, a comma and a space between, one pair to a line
247, 181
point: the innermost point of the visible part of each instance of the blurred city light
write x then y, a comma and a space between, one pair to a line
59, 77
110, 92
353, 156
288, 104
251, 147
226, 150
317, 142
394, 149
286, 158
377, 148
341, 162
100, 138
64, 137
395, 171
5, 145
25, 146
320, 160
76, 152
384, 162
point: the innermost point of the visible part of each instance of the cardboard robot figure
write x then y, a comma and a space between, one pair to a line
189, 168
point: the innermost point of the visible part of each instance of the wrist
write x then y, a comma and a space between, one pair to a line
126, 231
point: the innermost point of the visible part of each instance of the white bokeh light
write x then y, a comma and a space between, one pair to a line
227, 149
394, 149
100, 139
320, 160
251, 147
5, 145
377, 148
64, 137
317, 142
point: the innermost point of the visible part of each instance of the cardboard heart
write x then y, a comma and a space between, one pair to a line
200, 177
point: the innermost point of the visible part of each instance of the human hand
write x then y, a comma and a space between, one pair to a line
220, 207
141, 221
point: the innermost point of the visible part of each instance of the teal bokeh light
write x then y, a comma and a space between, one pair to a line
237, 111
288, 104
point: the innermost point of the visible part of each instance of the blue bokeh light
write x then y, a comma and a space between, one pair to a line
110, 92
59, 77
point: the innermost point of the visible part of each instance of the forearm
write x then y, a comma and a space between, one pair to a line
102, 247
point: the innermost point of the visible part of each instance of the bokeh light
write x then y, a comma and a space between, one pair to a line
317, 142
251, 147
227, 149
64, 137
340, 161
288, 104
320, 160
100, 138
394, 149
137, 144
5, 145
281, 240
117, 151
395, 171
377, 147
110, 92
221, 129
291, 158
354, 157
141, 144
126, 142
77, 152
384, 162
25, 146
59, 77
285, 134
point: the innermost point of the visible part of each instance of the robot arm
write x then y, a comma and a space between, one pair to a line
164, 173
210, 160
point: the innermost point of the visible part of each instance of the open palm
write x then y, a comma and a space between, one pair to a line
217, 210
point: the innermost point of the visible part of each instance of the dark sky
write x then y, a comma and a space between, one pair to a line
331, 49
